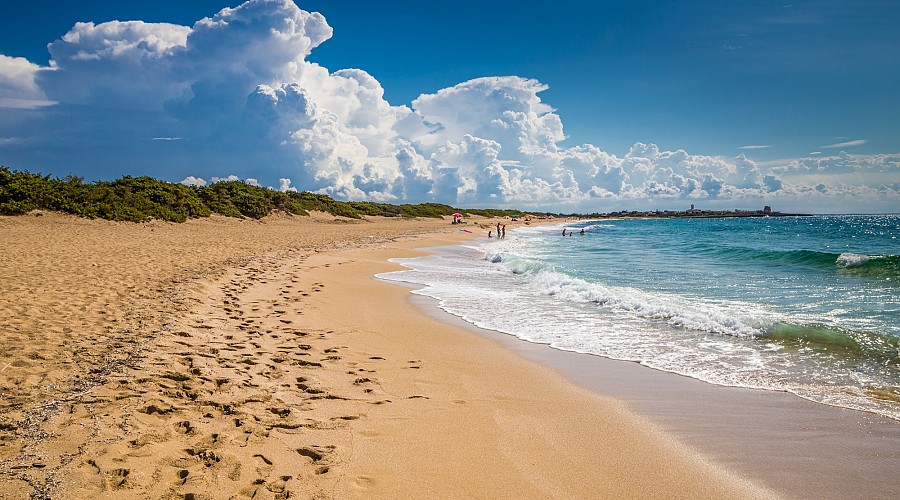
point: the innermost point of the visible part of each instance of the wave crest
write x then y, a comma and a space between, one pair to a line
733, 320
853, 260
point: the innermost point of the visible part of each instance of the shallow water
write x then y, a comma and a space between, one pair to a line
809, 305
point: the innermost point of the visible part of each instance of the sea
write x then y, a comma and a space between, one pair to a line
808, 305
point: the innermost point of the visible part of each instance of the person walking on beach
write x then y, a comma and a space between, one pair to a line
503, 234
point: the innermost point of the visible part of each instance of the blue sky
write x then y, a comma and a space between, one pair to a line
614, 105
707, 76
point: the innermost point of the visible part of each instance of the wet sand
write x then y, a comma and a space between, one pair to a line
796, 447
246, 359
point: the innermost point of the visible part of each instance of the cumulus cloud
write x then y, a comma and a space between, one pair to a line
115, 63
235, 92
18, 89
507, 110
193, 181
285, 185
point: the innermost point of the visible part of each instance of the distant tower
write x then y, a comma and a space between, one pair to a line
767, 209
692, 206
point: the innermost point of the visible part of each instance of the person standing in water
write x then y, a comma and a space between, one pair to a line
503, 234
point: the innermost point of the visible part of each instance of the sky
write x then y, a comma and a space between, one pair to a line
565, 106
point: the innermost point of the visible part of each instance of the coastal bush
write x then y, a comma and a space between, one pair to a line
433, 210
376, 209
237, 199
138, 199
492, 212
19, 190
322, 203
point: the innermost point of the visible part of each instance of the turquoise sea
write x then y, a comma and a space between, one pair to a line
809, 305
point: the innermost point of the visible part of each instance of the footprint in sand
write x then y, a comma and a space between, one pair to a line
117, 478
364, 482
184, 427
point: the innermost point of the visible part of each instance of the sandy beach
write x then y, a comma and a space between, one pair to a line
260, 359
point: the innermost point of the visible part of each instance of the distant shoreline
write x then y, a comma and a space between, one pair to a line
702, 215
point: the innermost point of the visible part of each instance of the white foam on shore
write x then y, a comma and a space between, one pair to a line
495, 286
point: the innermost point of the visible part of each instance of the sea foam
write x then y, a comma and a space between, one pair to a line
853, 260
721, 301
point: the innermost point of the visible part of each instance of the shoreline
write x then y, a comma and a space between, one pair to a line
797, 447
500, 411
267, 361
793, 445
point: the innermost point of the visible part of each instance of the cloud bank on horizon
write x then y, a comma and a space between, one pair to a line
234, 96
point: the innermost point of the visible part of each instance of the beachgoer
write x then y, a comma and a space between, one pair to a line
582, 231
564, 231
503, 234
489, 234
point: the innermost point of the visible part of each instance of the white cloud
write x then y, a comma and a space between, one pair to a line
235, 93
115, 63
18, 89
230, 178
285, 185
17, 78
14, 103
193, 181
847, 144
504, 109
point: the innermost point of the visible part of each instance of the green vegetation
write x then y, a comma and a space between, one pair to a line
387, 210
130, 199
494, 212
139, 199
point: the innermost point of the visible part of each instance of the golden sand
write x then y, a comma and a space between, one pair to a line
259, 359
